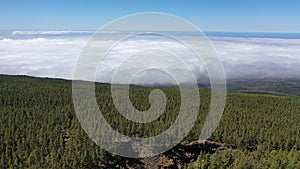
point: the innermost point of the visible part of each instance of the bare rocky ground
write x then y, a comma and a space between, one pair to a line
177, 157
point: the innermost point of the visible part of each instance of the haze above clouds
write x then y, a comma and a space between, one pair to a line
54, 54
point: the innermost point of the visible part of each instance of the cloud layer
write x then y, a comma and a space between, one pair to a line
259, 57
56, 56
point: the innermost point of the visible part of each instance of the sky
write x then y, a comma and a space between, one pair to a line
45, 38
208, 15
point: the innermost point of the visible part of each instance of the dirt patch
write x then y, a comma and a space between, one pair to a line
178, 157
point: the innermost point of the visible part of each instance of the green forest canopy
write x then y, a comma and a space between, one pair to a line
39, 128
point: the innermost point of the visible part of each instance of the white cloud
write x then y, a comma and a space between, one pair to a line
259, 57
241, 57
39, 57
48, 32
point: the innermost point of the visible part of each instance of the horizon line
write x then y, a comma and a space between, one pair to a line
207, 31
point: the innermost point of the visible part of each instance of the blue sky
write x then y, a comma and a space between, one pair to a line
209, 15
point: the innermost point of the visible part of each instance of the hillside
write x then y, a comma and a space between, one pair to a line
39, 129
284, 87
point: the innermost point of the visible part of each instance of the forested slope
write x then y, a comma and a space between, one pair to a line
39, 128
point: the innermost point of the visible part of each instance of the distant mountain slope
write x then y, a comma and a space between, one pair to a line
272, 86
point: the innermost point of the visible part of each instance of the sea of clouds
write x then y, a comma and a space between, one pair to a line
54, 54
